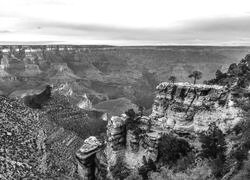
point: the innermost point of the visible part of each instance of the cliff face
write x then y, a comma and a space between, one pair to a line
182, 109
12, 65
131, 141
31, 70
191, 108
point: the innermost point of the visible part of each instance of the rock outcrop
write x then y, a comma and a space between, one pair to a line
191, 108
125, 147
34, 147
183, 109
86, 156
60, 72
13, 65
36, 101
116, 132
31, 70
5, 76
85, 103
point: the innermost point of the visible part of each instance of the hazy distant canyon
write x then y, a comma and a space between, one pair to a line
105, 73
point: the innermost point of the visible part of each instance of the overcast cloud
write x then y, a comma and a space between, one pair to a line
130, 22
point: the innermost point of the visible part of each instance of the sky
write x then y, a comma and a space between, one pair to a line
126, 22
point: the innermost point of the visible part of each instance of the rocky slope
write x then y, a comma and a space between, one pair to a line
41, 144
21, 143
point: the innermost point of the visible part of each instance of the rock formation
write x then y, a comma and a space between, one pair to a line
85, 103
36, 101
190, 108
31, 70
86, 156
5, 76
182, 109
13, 65
47, 139
60, 72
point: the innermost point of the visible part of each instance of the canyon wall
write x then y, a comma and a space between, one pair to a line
182, 109
190, 108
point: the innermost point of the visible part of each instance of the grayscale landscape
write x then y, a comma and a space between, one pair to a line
115, 90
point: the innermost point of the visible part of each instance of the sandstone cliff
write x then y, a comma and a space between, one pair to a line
182, 109
191, 108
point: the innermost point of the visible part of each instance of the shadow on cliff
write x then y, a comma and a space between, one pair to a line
36, 101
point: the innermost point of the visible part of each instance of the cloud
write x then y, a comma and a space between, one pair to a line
131, 21
5, 31
233, 24
207, 31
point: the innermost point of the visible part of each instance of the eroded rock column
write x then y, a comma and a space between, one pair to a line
116, 132
150, 144
86, 158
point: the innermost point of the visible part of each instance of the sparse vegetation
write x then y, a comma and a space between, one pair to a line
141, 110
200, 172
214, 148
172, 148
120, 170
172, 79
146, 168
244, 173
213, 142
131, 114
134, 176
196, 75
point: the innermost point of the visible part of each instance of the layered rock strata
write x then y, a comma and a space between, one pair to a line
116, 132
180, 108
86, 158
191, 108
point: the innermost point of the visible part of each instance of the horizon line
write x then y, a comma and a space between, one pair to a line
47, 43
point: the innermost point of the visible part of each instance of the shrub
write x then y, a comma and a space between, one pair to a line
240, 154
201, 172
171, 149
246, 131
134, 176
213, 143
148, 166
214, 148
185, 162
218, 166
243, 130
120, 170
131, 113
244, 174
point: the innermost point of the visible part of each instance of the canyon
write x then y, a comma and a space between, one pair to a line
92, 126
